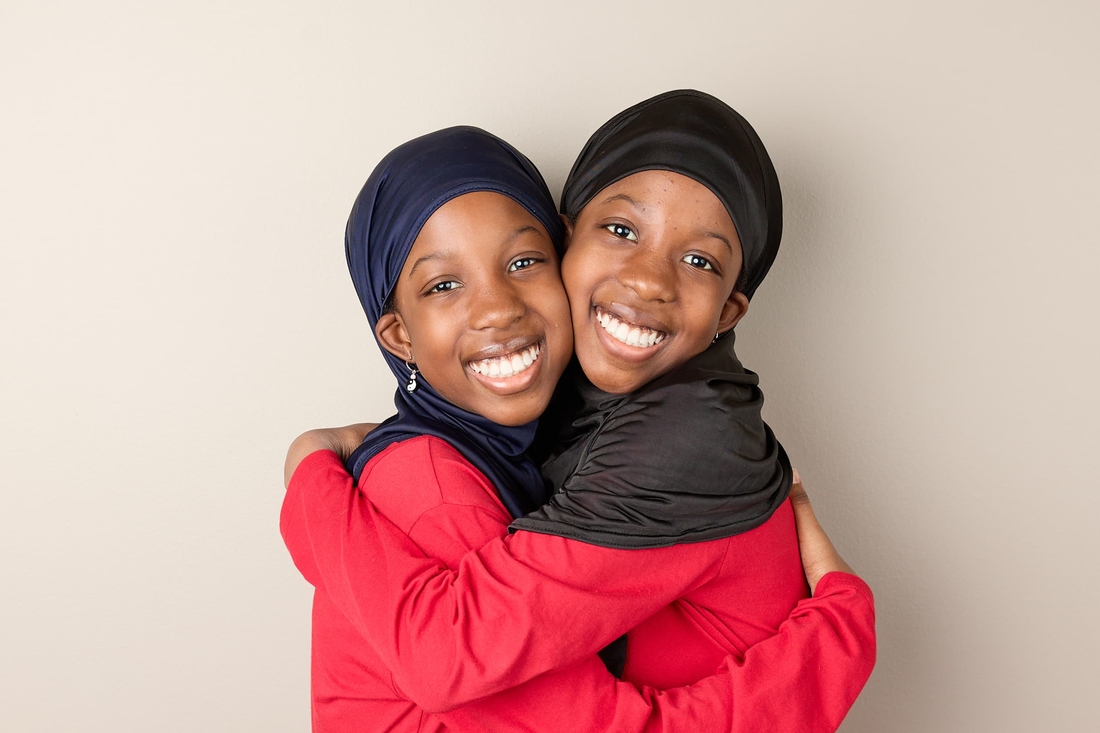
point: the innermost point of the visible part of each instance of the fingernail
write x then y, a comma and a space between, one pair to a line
797, 478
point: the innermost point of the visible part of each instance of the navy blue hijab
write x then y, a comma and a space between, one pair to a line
403, 191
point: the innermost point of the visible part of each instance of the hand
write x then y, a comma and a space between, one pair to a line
341, 441
818, 554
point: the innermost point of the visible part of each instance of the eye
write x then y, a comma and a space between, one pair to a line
622, 231
698, 261
522, 264
444, 287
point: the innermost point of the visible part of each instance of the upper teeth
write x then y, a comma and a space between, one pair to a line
629, 334
509, 365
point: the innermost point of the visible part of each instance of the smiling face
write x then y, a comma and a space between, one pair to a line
650, 267
480, 309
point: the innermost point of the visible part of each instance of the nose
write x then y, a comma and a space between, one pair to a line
497, 305
649, 275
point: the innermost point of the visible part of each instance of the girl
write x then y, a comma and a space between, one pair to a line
480, 343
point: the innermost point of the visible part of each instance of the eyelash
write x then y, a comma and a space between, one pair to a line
706, 264
438, 287
697, 261
618, 229
514, 267
449, 285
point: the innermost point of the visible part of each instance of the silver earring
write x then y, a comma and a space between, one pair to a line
410, 386
715, 338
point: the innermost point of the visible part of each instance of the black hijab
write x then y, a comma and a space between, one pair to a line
403, 191
687, 457
703, 138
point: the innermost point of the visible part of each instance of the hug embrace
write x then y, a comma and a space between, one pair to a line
578, 519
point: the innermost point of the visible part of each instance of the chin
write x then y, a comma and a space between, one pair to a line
514, 416
611, 379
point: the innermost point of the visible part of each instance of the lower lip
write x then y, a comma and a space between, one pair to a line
516, 383
622, 351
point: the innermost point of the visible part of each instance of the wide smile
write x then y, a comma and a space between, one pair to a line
626, 339
510, 371
638, 336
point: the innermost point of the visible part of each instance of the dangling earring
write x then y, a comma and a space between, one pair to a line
715, 338
410, 386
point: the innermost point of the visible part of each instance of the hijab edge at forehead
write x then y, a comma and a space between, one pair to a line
459, 190
703, 139
405, 189
420, 176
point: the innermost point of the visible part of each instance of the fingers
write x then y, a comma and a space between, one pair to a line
799, 498
818, 554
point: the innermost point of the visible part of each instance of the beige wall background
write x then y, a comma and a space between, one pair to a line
174, 309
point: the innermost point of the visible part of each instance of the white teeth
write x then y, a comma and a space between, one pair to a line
638, 336
507, 366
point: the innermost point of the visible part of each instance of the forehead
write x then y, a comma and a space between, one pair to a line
476, 224
477, 212
664, 188
681, 200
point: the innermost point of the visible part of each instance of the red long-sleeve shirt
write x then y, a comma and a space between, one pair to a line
408, 620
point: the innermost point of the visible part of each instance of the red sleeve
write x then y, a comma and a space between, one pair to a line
342, 544
454, 636
805, 678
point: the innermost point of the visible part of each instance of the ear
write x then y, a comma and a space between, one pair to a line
733, 310
393, 335
565, 220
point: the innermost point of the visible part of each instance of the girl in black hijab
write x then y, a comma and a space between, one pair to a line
663, 452
680, 404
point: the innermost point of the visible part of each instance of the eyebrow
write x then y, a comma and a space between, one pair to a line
443, 255
622, 197
700, 233
718, 236
450, 254
521, 230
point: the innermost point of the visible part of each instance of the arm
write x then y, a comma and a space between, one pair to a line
494, 634
341, 441
454, 636
805, 678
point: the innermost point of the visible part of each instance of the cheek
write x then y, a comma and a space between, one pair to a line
555, 312
580, 270
705, 310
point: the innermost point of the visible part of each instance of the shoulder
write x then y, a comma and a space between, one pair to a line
413, 477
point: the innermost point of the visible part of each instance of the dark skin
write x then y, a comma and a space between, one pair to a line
655, 254
480, 309
819, 556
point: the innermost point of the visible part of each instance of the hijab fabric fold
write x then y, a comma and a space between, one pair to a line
404, 190
687, 457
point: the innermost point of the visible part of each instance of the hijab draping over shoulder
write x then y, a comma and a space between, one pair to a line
404, 190
687, 457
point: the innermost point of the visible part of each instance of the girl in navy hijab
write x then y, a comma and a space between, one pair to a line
402, 194
543, 601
